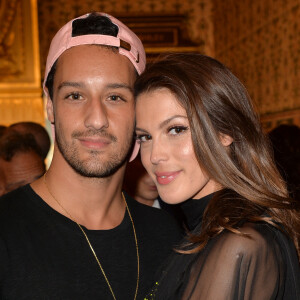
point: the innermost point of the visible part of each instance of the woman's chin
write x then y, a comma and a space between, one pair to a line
172, 200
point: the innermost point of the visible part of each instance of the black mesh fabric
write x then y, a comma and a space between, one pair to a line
261, 266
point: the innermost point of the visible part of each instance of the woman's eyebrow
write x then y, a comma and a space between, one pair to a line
167, 121
163, 123
140, 129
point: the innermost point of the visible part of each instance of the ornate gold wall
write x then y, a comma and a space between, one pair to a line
54, 14
23, 51
260, 41
20, 91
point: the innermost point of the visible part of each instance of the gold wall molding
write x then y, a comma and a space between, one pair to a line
161, 33
271, 121
20, 108
197, 13
7, 16
260, 42
20, 79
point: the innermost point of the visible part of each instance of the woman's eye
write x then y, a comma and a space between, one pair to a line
74, 96
177, 129
143, 137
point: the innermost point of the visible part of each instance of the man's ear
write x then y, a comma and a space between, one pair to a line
49, 108
226, 140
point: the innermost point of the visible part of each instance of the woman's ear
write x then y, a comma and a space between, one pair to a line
135, 151
226, 140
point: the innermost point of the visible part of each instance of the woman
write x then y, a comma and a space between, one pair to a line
203, 145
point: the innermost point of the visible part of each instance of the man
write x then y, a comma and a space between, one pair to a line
38, 131
72, 234
21, 160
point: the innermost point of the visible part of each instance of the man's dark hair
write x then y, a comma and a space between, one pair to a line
14, 142
93, 24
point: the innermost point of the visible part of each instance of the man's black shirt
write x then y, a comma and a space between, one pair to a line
44, 255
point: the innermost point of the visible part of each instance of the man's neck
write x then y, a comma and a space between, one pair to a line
95, 203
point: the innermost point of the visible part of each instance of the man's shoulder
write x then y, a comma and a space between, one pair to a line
14, 202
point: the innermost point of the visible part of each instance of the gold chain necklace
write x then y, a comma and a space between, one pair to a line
92, 249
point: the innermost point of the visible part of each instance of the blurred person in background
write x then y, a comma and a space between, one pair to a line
21, 160
139, 184
2, 129
285, 140
38, 131
2, 181
2, 177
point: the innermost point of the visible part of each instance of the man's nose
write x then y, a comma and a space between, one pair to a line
96, 115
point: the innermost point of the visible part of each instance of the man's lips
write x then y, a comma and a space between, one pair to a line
94, 143
166, 177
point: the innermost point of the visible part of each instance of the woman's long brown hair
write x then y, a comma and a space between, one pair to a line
217, 103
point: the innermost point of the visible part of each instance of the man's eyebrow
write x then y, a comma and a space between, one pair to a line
120, 86
109, 86
70, 84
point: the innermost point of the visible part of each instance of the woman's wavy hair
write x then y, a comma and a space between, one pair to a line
217, 104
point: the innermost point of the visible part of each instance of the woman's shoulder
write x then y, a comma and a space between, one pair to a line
251, 239
249, 235
250, 245
247, 258
256, 245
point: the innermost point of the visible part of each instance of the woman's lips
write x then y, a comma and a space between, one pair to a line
166, 177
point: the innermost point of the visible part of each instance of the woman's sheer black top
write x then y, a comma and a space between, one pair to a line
264, 266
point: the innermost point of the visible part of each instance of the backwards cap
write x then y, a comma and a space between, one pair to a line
126, 40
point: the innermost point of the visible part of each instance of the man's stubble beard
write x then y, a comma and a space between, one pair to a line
94, 166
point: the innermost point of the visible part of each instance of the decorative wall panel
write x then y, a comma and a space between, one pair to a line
20, 84
260, 42
198, 21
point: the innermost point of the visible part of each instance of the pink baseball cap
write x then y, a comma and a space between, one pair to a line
126, 40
